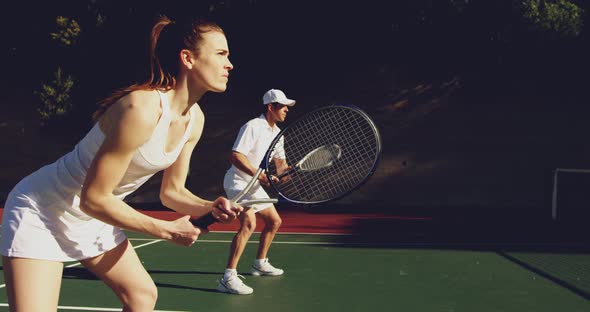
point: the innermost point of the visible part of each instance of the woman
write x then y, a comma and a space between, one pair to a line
73, 209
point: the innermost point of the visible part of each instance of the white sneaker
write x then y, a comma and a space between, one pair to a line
234, 285
265, 268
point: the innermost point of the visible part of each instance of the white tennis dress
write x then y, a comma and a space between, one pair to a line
42, 217
253, 140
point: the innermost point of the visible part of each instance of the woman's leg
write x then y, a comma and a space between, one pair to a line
121, 269
32, 284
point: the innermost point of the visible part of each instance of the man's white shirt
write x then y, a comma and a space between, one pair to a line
253, 141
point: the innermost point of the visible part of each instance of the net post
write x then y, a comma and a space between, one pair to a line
554, 208
554, 195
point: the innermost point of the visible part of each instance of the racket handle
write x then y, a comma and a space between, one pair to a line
204, 221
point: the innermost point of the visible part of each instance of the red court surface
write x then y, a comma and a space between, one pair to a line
302, 220
396, 226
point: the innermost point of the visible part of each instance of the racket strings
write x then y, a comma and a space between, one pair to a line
320, 158
335, 186
359, 148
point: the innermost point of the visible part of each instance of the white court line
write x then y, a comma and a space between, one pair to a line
92, 309
152, 241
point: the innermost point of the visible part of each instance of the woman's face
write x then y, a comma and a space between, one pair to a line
211, 66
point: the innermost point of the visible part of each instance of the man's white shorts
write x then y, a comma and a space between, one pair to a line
234, 184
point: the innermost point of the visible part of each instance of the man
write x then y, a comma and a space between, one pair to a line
248, 151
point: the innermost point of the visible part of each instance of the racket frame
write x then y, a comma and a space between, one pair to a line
265, 161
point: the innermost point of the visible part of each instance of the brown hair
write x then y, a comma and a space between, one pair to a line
166, 40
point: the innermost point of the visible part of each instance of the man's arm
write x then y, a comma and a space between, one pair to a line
281, 165
241, 162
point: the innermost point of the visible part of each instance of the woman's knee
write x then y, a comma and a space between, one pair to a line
122, 271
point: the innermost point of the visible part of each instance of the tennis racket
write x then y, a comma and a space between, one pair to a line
335, 150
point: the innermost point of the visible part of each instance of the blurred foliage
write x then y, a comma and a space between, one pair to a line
55, 96
68, 31
560, 18
100, 20
103, 43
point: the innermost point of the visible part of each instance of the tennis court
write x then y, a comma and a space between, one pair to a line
411, 268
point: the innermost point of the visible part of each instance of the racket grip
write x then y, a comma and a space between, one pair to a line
204, 221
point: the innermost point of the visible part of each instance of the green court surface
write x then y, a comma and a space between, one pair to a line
324, 273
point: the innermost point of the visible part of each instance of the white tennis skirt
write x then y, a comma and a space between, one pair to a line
234, 184
31, 229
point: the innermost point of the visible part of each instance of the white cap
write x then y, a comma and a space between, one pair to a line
276, 96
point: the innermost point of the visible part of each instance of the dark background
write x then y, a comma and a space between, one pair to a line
477, 104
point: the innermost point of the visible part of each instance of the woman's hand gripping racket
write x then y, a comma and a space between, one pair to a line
337, 149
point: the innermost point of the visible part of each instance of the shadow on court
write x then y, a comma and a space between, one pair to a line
83, 273
80, 273
213, 290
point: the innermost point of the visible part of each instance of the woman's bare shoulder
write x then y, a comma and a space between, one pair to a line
142, 104
147, 100
139, 110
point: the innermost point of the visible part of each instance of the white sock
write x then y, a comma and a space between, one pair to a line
229, 272
258, 262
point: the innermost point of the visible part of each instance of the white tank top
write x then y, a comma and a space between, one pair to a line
57, 186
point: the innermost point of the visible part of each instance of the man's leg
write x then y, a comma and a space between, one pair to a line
231, 282
247, 225
272, 223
